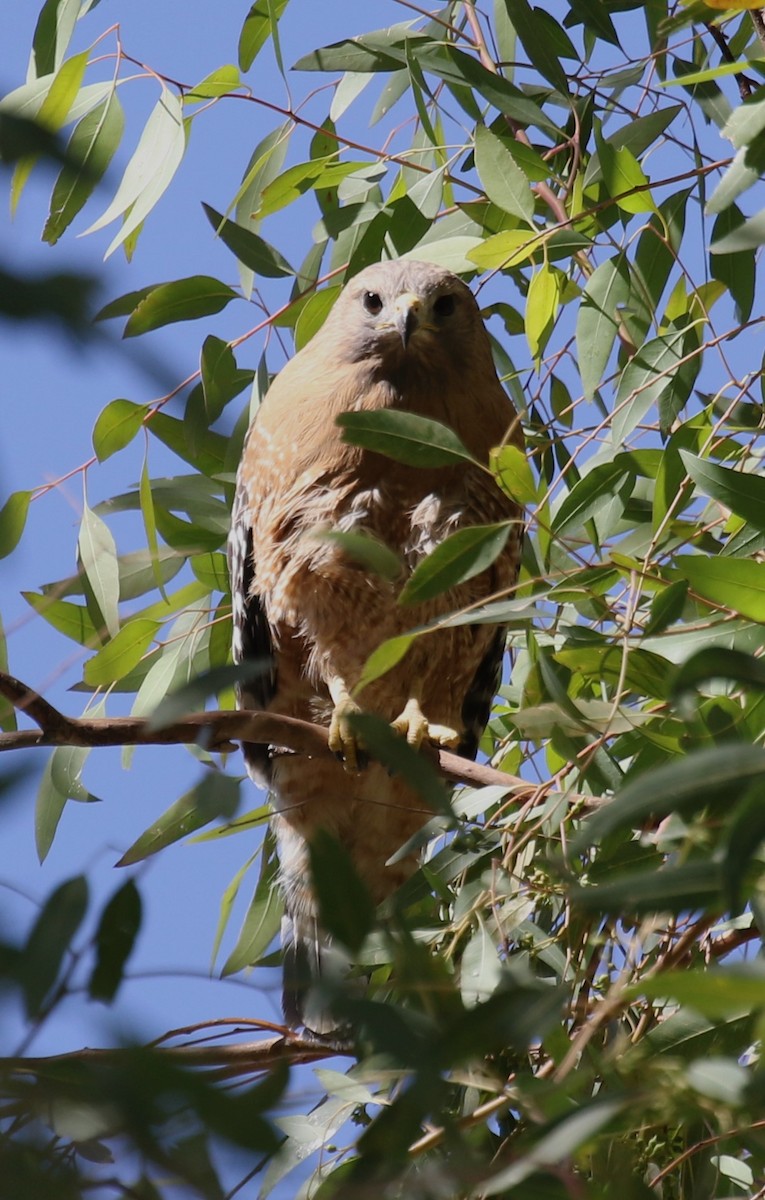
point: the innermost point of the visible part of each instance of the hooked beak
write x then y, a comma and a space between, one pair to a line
406, 316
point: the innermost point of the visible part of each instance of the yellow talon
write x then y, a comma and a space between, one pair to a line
414, 726
342, 739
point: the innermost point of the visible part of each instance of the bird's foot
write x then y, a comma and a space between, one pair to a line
343, 741
415, 727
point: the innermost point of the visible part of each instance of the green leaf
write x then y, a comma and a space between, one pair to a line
748, 236
458, 558
535, 40
405, 437
73, 620
211, 570
590, 494
383, 659
216, 795
716, 992
512, 471
13, 518
122, 653
182, 300
346, 910
263, 918
49, 941
366, 550
218, 83
98, 555
52, 35
252, 250
657, 372
730, 582
92, 147
737, 271
666, 608
115, 938
542, 304
741, 491
717, 662
150, 170
684, 785
744, 836
191, 696
671, 889
623, 176
66, 766
392, 750
503, 180
597, 323
49, 806
257, 28
116, 426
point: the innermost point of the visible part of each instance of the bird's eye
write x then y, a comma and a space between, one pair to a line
372, 303
444, 305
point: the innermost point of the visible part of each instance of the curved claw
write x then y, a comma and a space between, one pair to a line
342, 739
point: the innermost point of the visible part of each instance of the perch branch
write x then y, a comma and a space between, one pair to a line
214, 730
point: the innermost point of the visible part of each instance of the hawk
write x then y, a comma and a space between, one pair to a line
402, 335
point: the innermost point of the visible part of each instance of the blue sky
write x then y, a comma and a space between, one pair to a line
51, 393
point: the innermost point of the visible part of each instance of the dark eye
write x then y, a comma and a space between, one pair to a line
372, 303
444, 305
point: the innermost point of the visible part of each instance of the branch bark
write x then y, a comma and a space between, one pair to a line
215, 730
220, 1062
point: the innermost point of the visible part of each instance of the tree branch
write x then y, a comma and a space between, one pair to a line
222, 1062
215, 730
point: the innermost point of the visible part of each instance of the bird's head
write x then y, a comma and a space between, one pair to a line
408, 311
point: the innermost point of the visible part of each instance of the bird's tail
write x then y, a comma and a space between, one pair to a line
312, 964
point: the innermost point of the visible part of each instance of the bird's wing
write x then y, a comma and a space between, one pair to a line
479, 697
252, 634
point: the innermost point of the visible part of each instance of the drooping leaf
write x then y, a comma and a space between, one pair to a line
98, 555
13, 518
345, 906
502, 178
405, 437
150, 170
116, 426
49, 941
597, 324
216, 795
92, 146
251, 249
115, 938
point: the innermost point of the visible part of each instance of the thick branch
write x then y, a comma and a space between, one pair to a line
223, 1062
213, 730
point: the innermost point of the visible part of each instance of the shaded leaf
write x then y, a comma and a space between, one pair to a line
685, 784
251, 249
115, 938
49, 941
346, 910
216, 795
98, 555
405, 437
458, 558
